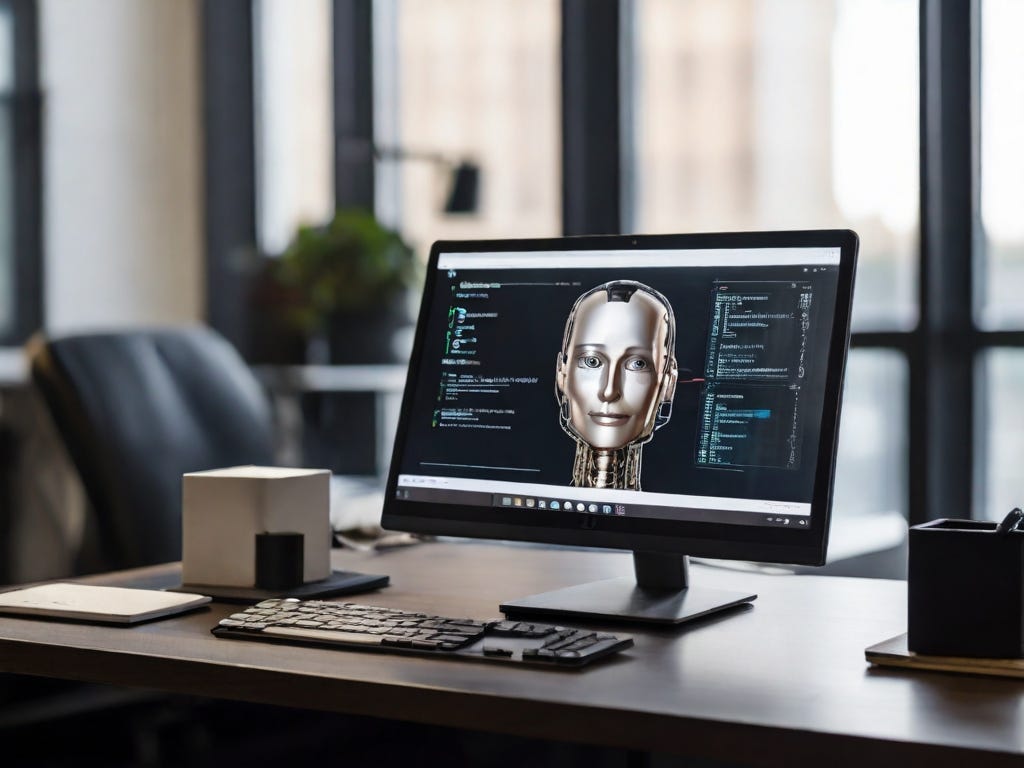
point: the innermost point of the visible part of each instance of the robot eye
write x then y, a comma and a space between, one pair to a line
637, 364
589, 361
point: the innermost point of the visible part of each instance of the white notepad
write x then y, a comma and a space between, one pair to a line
104, 604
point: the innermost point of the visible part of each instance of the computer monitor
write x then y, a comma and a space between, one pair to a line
672, 395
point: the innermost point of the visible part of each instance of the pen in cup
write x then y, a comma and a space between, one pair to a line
1011, 522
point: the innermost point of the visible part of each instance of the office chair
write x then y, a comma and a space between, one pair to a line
136, 410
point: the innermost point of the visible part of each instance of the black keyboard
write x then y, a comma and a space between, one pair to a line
368, 627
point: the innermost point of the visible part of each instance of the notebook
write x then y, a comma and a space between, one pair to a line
116, 605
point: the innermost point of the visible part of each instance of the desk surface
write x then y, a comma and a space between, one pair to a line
781, 683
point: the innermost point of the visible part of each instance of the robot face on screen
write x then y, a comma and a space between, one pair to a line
616, 373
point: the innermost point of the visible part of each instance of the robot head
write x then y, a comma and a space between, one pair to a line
616, 373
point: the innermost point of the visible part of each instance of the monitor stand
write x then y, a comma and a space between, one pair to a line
660, 594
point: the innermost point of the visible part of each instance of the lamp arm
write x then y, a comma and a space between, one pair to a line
358, 149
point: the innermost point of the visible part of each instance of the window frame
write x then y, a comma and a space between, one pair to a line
592, 99
352, 43
26, 104
944, 345
229, 165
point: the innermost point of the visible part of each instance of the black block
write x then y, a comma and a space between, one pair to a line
966, 588
279, 560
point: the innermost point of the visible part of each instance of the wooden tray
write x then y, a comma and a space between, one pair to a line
894, 653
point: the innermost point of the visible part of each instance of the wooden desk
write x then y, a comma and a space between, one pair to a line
783, 683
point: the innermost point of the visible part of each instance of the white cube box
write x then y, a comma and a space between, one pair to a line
223, 510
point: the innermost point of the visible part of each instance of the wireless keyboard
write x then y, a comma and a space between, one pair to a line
367, 627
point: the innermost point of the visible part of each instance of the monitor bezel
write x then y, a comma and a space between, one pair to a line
704, 539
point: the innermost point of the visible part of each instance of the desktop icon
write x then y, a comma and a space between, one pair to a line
541, 504
554, 505
592, 508
620, 509
581, 507
607, 509
530, 502
506, 501
519, 502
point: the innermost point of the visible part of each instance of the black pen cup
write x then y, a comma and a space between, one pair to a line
965, 590
279, 560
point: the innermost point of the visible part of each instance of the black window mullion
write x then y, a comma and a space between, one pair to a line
591, 145
942, 382
24, 105
352, 40
229, 165
900, 340
984, 340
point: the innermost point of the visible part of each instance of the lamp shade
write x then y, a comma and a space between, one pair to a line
462, 196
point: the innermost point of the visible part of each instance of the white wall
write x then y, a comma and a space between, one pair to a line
123, 163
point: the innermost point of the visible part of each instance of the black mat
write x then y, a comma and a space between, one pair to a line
338, 583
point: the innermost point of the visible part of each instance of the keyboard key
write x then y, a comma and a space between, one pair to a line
458, 639
560, 644
492, 651
324, 635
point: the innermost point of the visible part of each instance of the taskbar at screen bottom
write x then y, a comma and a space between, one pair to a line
567, 503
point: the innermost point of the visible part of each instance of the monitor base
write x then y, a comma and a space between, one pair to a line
622, 600
659, 594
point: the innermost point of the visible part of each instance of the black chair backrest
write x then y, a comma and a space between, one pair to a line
137, 410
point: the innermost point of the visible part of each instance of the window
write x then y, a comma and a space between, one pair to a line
872, 472
294, 136
1002, 163
476, 81
784, 114
999, 265
1001, 423
796, 114
734, 114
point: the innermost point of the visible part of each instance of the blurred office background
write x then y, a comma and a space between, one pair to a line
155, 155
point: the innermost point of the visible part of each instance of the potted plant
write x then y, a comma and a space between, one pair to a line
347, 282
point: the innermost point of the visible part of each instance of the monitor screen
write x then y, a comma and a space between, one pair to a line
672, 393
